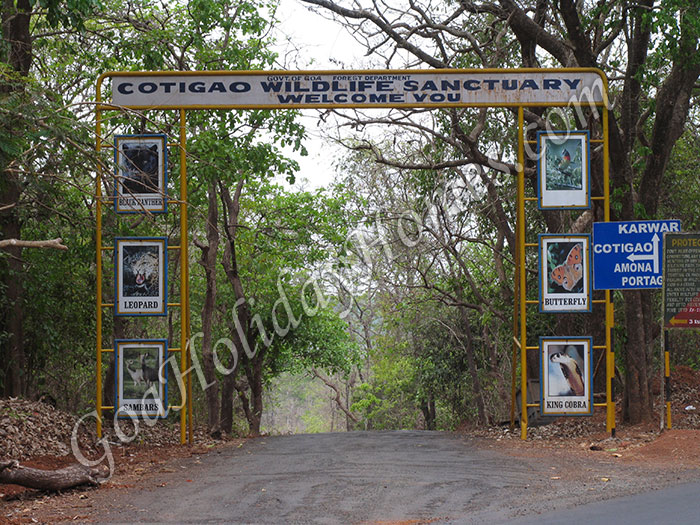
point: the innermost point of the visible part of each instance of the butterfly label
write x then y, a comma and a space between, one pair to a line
565, 273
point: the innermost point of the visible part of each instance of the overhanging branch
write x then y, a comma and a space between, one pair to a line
17, 243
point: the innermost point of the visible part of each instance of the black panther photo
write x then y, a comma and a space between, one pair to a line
139, 168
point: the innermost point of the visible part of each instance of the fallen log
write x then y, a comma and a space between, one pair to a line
11, 472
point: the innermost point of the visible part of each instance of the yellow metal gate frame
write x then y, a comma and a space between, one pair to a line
185, 407
520, 300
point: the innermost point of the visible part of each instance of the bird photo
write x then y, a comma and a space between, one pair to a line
563, 163
565, 160
566, 376
566, 371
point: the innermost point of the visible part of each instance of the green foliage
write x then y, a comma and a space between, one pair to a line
682, 193
283, 236
677, 24
300, 404
47, 158
320, 340
389, 400
47, 138
68, 13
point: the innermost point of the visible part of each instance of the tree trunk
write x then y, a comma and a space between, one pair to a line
256, 393
467, 344
349, 416
348, 398
16, 32
242, 390
637, 401
672, 107
228, 388
474, 373
13, 355
428, 409
16, 18
244, 339
253, 404
208, 262
14, 359
54, 480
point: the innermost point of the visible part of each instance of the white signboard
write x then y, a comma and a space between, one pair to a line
563, 170
141, 381
141, 174
565, 273
141, 271
391, 88
566, 376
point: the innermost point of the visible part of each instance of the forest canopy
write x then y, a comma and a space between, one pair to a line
390, 291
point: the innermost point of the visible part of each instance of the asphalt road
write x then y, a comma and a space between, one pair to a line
363, 478
678, 505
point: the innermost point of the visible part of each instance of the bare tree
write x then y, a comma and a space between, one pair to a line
651, 91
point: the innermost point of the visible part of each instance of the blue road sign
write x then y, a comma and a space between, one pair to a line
627, 255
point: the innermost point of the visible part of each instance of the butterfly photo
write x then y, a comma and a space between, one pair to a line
564, 273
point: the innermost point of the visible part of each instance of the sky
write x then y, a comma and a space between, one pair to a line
322, 44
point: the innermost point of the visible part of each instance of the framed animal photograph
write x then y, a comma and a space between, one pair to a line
141, 269
565, 273
141, 174
566, 376
141, 381
563, 170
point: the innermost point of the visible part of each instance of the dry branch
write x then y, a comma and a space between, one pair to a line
338, 400
11, 472
51, 243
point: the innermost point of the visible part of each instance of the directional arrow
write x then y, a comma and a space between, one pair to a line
675, 321
641, 257
653, 256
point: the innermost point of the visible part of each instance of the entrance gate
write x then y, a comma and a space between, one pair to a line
519, 89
